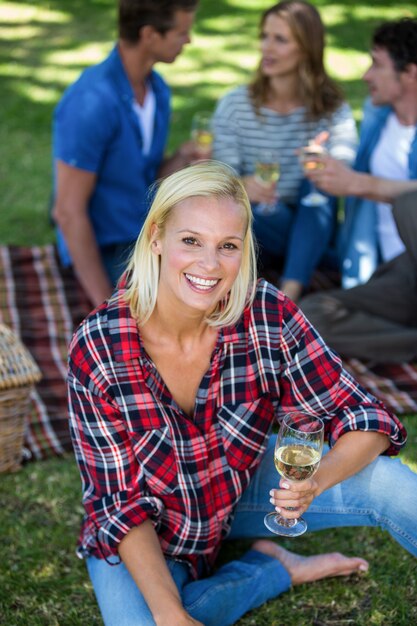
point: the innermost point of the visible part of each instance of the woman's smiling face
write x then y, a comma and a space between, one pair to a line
201, 252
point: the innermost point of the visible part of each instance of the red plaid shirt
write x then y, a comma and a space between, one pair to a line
141, 457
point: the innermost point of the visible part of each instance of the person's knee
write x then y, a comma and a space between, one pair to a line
393, 488
321, 309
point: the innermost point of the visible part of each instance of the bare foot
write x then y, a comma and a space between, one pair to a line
306, 569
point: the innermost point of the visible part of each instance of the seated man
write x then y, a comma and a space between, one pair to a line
386, 163
110, 131
375, 321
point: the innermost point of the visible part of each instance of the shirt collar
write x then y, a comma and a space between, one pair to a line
125, 337
121, 79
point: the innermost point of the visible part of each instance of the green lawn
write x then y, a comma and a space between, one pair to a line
43, 46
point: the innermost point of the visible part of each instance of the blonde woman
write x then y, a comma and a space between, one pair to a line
174, 386
290, 101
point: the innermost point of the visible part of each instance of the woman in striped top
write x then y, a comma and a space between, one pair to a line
290, 101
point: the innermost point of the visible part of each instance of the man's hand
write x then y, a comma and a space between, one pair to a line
321, 138
333, 177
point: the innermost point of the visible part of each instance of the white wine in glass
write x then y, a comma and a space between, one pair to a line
267, 172
308, 158
297, 455
201, 132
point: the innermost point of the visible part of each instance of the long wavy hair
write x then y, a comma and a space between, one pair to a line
318, 92
209, 179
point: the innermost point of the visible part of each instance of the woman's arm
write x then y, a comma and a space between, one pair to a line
226, 146
350, 454
115, 497
228, 149
141, 553
314, 381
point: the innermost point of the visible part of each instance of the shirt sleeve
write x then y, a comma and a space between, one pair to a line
114, 491
84, 124
314, 380
226, 145
343, 135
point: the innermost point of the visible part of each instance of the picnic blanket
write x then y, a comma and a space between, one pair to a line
43, 302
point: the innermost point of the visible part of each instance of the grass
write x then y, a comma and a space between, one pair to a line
42, 583
44, 44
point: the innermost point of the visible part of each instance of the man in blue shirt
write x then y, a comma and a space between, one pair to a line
109, 135
386, 162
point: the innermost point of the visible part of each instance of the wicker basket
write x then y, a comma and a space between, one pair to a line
18, 373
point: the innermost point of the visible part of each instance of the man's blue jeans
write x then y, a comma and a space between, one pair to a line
384, 494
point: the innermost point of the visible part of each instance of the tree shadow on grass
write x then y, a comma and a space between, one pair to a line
55, 27
44, 45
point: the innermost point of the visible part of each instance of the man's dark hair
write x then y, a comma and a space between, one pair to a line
399, 38
134, 14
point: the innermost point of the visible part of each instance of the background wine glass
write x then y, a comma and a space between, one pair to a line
267, 172
202, 134
308, 159
297, 455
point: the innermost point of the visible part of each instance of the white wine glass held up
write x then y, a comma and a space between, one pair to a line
309, 158
267, 172
202, 133
297, 455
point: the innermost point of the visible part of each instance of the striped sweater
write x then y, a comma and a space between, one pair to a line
241, 135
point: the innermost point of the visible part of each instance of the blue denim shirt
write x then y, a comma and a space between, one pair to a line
359, 239
96, 129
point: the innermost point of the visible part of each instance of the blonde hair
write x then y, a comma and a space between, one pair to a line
319, 93
209, 179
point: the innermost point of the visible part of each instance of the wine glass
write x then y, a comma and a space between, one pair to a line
202, 133
308, 159
267, 172
297, 455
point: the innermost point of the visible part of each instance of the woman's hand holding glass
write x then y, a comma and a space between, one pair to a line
259, 192
294, 498
297, 456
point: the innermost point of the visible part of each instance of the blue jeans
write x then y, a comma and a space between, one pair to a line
300, 234
384, 494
